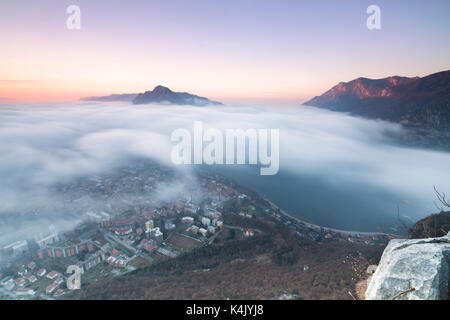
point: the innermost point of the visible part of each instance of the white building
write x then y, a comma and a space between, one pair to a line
149, 225
49, 238
25, 292
203, 232
206, 221
187, 220
17, 247
155, 233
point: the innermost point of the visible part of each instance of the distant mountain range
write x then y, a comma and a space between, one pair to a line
421, 103
159, 94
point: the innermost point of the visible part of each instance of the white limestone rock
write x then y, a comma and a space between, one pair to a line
418, 265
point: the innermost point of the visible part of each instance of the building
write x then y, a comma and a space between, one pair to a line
187, 220
211, 229
190, 210
193, 229
52, 275
68, 251
24, 292
106, 220
104, 223
59, 293
17, 247
31, 278
50, 289
116, 252
149, 225
155, 233
31, 265
92, 261
206, 221
41, 272
116, 262
123, 231
203, 232
249, 233
20, 282
54, 285
47, 239
41, 254
58, 281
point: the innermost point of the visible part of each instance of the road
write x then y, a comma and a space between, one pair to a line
110, 237
214, 236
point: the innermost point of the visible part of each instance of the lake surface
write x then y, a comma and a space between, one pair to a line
355, 207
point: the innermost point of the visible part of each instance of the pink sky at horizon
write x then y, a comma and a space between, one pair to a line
21, 90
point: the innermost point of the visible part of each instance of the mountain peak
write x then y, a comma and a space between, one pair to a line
395, 98
161, 94
159, 89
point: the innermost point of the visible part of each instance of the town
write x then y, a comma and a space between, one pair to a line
124, 227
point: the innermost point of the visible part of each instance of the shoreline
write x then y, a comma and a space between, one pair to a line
321, 228
298, 220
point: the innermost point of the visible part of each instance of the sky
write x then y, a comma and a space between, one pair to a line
233, 51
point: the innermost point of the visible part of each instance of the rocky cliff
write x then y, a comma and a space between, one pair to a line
413, 269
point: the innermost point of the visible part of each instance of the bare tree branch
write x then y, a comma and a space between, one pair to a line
442, 200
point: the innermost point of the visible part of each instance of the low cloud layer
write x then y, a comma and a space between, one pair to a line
44, 144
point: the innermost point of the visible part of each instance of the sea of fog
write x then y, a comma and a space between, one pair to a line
335, 170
